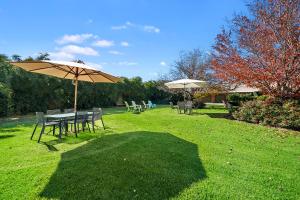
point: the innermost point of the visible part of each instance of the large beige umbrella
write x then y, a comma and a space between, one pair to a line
67, 70
185, 84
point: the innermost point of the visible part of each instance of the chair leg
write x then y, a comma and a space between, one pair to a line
53, 131
42, 131
102, 123
93, 126
33, 131
88, 125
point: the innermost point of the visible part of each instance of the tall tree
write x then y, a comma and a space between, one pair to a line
262, 50
192, 64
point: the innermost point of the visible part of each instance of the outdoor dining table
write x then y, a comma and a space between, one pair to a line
62, 118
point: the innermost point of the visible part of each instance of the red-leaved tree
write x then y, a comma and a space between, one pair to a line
262, 50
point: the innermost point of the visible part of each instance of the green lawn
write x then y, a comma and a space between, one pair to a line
157, 154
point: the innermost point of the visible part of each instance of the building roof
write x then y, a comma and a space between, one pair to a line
243, 89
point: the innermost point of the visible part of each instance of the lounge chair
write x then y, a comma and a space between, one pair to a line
129, 108
136, 106
151, 105
172, 105
41, 120
146, 106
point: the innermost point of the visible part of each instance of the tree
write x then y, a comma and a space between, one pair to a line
43, 56
192, 64
262, 50
16, 58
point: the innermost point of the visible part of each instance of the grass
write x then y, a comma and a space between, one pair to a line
157, 154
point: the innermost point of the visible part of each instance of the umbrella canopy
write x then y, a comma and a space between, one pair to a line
185, 83
67, 70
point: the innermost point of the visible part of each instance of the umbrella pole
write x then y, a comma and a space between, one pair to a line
75, 102
184, 92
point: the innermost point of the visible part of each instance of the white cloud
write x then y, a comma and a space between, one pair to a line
163, 63
73, 49
124, 44
151, 29
146, 28
60, 55
76, 38
121, 27
116, 52
104, 43
126, 63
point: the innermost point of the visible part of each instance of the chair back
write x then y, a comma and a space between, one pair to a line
69, 110
189, 104
181, 104
126, 104
81, 116
133, 103
40, 118
53, 112
150, 104
144, 103
97, 114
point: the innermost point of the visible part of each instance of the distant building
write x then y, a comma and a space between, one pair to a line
221, 96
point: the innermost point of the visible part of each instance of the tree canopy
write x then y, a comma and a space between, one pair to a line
262, 50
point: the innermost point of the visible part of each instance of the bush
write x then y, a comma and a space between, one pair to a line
271, 112
235, 99
5, 100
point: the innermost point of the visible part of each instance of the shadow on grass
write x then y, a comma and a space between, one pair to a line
50, 147
219, 115
6, 136
214, 115
9, 130
134, 165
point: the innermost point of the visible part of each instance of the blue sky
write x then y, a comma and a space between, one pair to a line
122, 37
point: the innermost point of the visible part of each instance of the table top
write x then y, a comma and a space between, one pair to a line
64, 115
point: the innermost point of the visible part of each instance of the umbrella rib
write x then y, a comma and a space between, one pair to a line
89, 76
71, 69
32, 70
80, 71
60, 68
103, 74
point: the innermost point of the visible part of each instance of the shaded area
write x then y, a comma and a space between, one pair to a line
134, 165
9, 130
50, 147
219, 115
6, 136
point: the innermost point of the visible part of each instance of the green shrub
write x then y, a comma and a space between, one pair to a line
271, 112
5, 100
235, 99
262, 97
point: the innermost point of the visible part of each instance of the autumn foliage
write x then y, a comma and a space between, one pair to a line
262, 50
